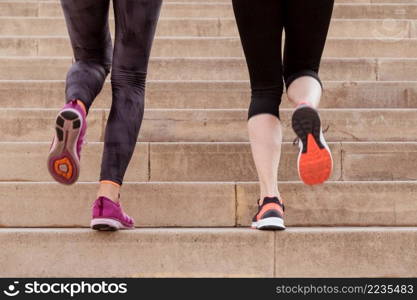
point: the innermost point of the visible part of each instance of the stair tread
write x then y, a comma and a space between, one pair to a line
214, 204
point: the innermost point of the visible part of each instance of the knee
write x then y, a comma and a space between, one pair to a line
94, 60
290, 78
266, 100
98, 55
135, 80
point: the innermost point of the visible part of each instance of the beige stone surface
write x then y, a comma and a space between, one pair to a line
197, 27
371, 47
137, 253
338, 203
405, 210
371, 94
194, 126
220, 162
397, 69
401, 10
186, 161
212, 45
413, 29
379, 161
341, 10
230, 125
215, 94
202, 204
18, 47
27, 94
35, 125
368, 124
18, 9
153, 204
29, 162
375, 29
235, 69
214, 125
358, 28
346, 252
18, 68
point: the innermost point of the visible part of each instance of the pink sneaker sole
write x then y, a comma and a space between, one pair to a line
105, 224
63, 161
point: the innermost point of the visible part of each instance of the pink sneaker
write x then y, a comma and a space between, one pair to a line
64, 154
109, 216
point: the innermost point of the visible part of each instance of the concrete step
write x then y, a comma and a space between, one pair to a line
217, 204
214, 47
206, 125
347, 252
337, 203
207, 162
341, 69
227, 1
214, 94
367, 28
218, 9
216, 162
397, 68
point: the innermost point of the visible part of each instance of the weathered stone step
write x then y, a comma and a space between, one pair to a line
214, 47
207, 125
214, 94
367, 28
341, 69
365, 252
216, 162
202, 204
227, 1
217, 9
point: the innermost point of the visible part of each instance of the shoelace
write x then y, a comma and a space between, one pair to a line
295, 142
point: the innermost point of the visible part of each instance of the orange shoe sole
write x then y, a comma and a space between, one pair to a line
314, 166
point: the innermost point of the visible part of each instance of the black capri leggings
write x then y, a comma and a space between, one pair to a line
88, 27
261, 23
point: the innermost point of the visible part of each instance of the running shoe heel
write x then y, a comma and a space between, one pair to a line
109, 216
270, 215
315, 161
63, 159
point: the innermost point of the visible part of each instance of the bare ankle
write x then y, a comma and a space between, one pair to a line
82, 106
109, 189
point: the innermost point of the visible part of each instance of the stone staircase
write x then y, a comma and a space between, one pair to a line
192, 182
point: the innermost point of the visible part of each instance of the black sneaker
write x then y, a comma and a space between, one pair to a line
270, 215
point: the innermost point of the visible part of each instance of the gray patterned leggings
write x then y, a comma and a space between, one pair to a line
88, 28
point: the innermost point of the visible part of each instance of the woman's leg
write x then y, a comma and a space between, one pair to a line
260, 28
136, 22
306, 25
88, 28
90, 38
305, 89
265, 135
